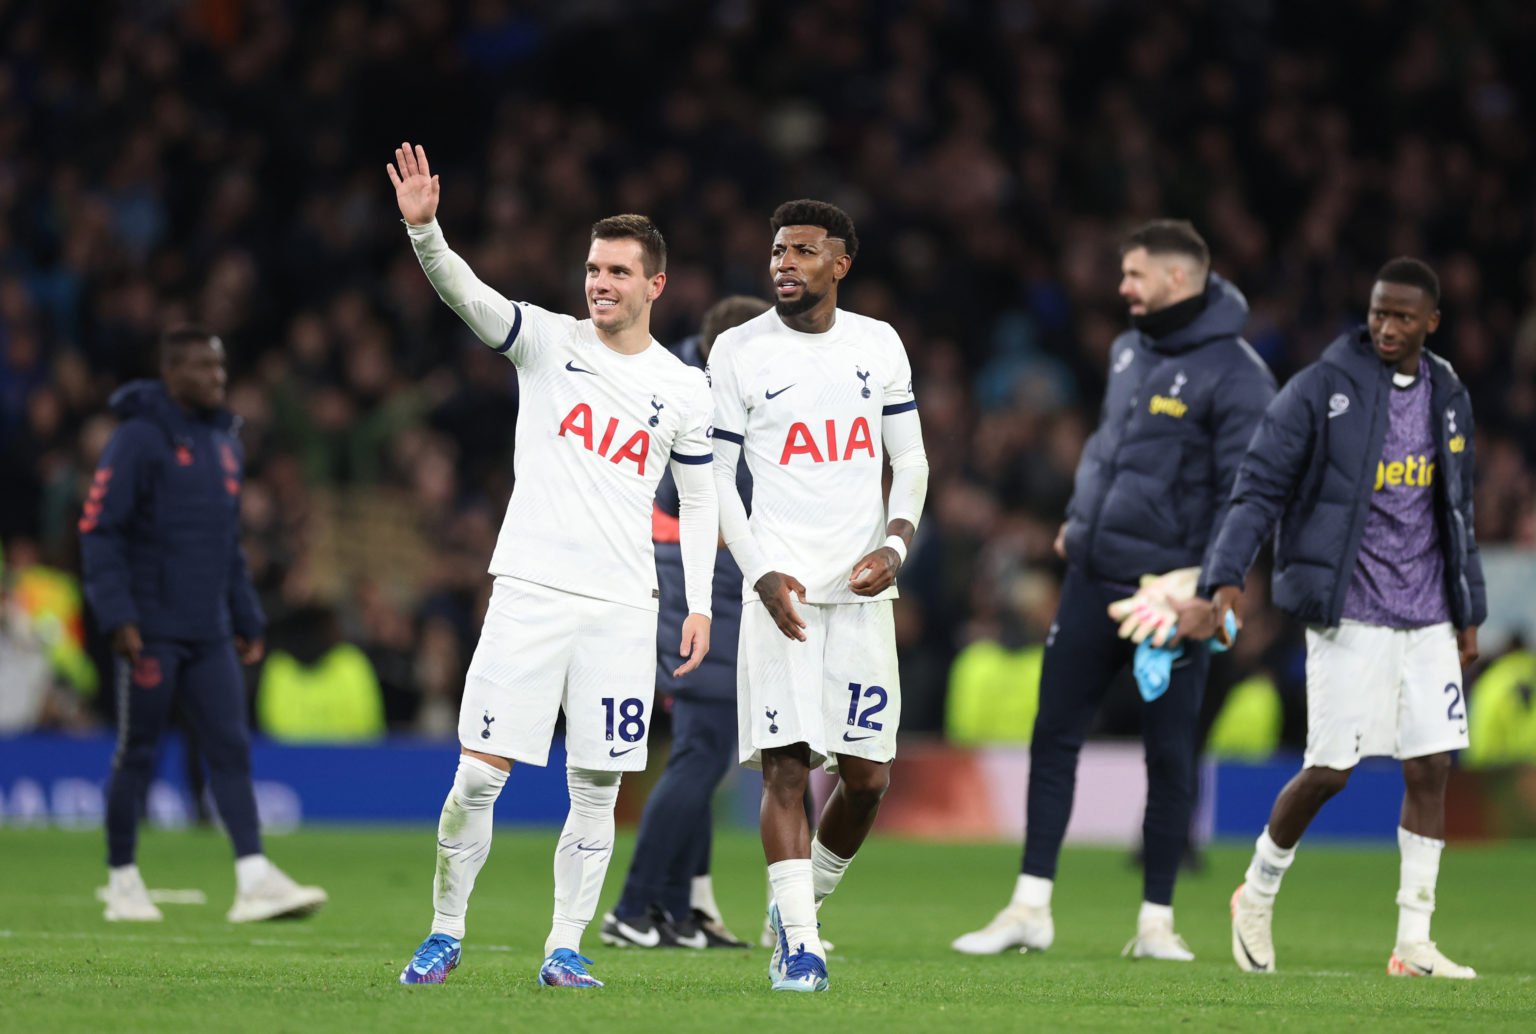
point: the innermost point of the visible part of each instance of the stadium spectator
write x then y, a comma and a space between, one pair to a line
1184, 394
1365, 464
1005, 147
166, 578
668, 898
314, 688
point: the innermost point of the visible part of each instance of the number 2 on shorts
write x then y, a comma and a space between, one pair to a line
866, 719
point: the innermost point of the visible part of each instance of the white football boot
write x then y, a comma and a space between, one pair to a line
1425, 960
1155, 939
275, 896
1253, 943
128, 899
1017, 926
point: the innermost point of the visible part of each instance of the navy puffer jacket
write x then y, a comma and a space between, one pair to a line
1310, 472
1178, 411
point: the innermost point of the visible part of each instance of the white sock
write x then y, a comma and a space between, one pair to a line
250, 871
794, 890
701, 895
826, 870
1033, 891
124, 877
582, 855
1416, 889
463, 841
1267, 869
1154, 915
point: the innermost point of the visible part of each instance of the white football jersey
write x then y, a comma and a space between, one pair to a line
806, 410
595, 430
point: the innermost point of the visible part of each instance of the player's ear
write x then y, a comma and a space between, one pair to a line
841, 265
1433, 323
658, 284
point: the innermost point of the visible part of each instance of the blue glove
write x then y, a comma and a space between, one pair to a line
1153, 665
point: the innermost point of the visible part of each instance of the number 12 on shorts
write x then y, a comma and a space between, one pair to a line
631, 715
866, 719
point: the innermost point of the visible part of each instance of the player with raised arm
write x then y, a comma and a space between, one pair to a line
811, 393
571, 623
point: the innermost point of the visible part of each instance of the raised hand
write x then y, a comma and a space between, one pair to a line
776, 591
416, 189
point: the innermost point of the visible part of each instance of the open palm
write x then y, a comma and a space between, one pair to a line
416, 189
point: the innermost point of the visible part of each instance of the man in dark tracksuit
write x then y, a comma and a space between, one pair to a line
668, 898
1365, 463
1184, 395
167, 580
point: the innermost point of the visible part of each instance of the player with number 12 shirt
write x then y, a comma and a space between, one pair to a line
571, 623
811, 394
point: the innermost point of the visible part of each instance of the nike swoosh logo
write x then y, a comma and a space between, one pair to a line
849, 738
776, 394
1339, 413
619, 753
571, 366
1255, 963
590, 850
694, 941
649, 939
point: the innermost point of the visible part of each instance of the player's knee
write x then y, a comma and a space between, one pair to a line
1325, 782
593, 792
1427, 774
864, 787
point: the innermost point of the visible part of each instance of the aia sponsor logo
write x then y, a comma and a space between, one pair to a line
833, 445
581, 426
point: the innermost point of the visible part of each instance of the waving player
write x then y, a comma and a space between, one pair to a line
811, 393
572, 619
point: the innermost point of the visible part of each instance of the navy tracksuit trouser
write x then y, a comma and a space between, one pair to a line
1082, 657
673, 842
205, 678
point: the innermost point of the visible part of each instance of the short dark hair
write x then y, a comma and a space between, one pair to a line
653, 246
727, 313
829, 217
1412, 272
175, 339
1169, 237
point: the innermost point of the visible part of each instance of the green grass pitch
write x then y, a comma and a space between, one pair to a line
62, 968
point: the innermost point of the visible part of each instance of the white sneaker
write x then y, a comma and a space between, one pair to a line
275, 896
1156, 940
1253, 943
128, 900
1017, 926
1425, 960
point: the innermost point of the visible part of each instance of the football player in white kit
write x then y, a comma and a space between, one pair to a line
810, 393
571, 623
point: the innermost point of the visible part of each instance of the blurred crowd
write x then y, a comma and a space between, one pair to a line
223, 160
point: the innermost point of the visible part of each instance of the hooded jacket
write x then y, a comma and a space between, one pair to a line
1154, 479
1311, 470
160, 531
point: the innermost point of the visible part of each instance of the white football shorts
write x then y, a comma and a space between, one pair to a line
838, 691
543, 650
1375, 691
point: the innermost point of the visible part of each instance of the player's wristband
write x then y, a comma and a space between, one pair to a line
899, 544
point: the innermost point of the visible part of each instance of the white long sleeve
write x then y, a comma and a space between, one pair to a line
735, 527
698, 517
903, 437
491, 316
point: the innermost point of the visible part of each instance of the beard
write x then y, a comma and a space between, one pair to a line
805, 303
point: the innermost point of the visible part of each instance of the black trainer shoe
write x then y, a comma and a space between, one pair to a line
633, 932
715, 933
